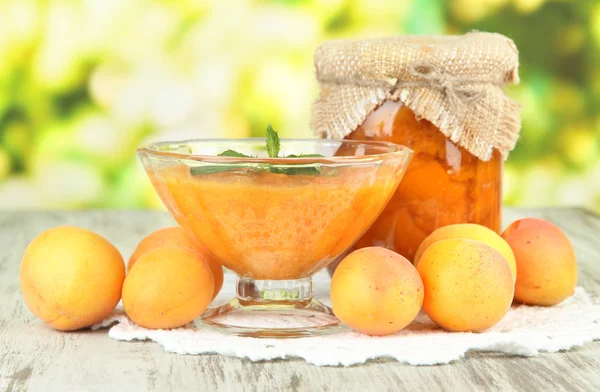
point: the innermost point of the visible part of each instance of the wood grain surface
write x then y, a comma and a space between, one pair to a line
34, 357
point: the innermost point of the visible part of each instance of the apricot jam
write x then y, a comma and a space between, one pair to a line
276, 226
444, 183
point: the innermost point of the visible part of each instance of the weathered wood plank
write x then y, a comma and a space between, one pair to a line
33, 357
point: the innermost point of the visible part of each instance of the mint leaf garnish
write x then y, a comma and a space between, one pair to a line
273, 148
209, 169
296, 170
231, 153
291, 171
272, 142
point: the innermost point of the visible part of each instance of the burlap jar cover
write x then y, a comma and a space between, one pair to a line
455, 82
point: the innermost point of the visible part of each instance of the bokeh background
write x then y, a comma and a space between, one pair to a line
83, 83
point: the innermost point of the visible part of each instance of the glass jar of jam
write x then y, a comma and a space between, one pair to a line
443, 97
444, 183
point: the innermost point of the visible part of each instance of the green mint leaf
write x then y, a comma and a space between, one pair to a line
199, 170
273, 147
307, 171
292, 171
207, 169
272, 142
231, 153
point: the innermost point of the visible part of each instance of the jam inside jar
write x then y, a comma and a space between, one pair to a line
444, 183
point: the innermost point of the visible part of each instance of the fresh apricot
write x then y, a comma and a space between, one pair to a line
473, 232
546, 262
468, 284
71, 278
177, 236
376, 291
167, 287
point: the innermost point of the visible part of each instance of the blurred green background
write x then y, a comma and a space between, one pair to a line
83, 83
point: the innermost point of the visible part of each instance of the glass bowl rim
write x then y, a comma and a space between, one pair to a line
394, 151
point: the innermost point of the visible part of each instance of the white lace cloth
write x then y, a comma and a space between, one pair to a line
524, 331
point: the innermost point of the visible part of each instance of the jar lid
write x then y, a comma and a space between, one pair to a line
455, 82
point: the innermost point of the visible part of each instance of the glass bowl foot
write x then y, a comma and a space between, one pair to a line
273, 309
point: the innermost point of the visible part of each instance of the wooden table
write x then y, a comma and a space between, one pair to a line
33, 357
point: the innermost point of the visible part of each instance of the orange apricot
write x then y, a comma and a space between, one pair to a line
71, 278
177, 236
376, 291
470, 231
167, 287
468, 284
546, 262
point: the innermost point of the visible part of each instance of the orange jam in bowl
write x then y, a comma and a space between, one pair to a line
277, 226
269, 225
444, 183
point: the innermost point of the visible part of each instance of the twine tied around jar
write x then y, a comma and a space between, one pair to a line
455, 82
459, 91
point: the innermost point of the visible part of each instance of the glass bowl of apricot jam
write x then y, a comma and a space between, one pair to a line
275, 221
